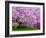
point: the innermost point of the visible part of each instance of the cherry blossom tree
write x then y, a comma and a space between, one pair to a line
30, 16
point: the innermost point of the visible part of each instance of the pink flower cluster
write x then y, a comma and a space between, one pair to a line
27, 15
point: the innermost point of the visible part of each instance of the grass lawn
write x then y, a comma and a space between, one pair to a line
23, 28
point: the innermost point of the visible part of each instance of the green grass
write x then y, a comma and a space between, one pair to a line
23, 28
